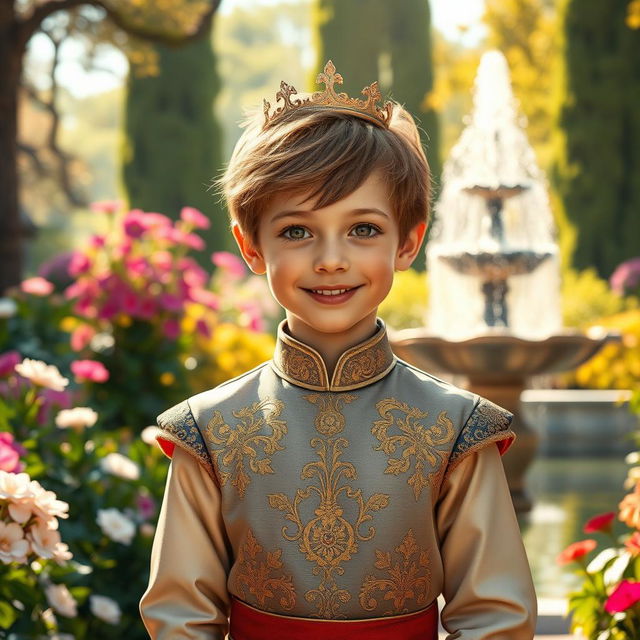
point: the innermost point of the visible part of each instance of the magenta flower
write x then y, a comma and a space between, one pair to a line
136, 266
203, 328
171, 328
625, 595
89, 371
134, 223
229, 263
106, 206
37, 286
156, 220
8, 361
80, 263
171, 302
626, 277
97, 242
147, 308
195, 217
10, 452
52, 400
146, 506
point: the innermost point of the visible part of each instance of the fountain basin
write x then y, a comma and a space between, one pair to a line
498, 357
580, 422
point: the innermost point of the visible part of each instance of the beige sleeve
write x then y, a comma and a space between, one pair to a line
488, 587
187, 593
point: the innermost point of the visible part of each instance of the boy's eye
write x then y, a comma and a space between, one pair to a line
365, 230
296, 233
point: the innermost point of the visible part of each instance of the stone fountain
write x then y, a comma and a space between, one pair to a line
494, 276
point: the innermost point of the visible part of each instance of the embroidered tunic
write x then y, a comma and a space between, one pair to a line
361, 496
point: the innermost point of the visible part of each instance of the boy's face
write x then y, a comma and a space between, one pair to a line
330, 268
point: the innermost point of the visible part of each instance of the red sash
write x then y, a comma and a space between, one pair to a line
249, 623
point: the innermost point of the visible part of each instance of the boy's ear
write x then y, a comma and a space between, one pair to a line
408, 250
249, 251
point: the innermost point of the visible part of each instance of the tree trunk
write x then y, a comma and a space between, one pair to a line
11, 52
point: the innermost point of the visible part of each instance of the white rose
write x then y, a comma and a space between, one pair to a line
44, 540
105, 608
61, 553
61, 600
77, 418
13, 545
116, 526
121, 466
42, 374
46, 504
15, 486
149, 433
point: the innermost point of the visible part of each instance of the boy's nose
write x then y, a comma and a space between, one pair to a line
331, 257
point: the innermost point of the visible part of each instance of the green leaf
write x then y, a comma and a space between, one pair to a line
8, 615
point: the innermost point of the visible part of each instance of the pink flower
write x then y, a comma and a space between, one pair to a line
229, 263
626, 277
147, 308
106, 206
206, 298
171, 328
178, 236
146, 506
52, 401
162, 259
195, 217
80, 263
97, 242
171, 302
37, 286
134, 224
137, 266
10, 452
156, 220
601, 522
192, 273
625, 595
81, 337
89, 370
8, 361
203, 328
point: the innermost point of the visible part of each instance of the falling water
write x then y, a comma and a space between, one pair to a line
491, 163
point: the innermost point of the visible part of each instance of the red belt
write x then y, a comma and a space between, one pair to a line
249, 623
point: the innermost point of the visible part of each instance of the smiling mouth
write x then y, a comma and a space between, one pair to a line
332, 292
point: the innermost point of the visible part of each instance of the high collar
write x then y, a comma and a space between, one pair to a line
357, 367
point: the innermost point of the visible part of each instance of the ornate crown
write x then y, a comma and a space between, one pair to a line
339, 102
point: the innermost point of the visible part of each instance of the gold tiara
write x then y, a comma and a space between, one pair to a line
339, 102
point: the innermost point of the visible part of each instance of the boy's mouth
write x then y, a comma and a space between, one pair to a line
332, 295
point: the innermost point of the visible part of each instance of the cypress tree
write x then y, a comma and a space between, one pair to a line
597, 169
359, 35
172, 140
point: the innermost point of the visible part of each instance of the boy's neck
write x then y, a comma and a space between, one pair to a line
332, 345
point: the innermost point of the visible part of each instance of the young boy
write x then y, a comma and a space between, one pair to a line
335, 491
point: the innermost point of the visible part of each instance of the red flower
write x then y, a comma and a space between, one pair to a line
625, 595
576, 550
600, 523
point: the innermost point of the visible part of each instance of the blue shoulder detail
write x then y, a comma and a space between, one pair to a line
178, 426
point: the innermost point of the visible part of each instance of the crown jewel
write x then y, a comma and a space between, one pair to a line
340, 102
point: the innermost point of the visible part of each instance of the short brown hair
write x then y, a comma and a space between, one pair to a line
330, 154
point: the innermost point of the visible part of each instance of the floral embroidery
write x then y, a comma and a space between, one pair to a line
424, 447
179, 426
231, 445
407, 578
487, 423
258, 573
328, 540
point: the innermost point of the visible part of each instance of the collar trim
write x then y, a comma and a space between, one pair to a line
357, 367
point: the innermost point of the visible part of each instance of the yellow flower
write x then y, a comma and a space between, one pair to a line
167, 379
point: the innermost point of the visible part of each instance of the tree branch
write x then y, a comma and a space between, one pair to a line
31, 24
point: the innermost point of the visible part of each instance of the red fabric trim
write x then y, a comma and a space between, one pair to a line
503, 445
167, 446
249, 623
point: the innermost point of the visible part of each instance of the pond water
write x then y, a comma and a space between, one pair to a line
567, 492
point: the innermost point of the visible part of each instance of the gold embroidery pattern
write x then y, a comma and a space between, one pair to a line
486, 423
300, 365
328, 539
259, 574
426, 448
231, 445
179, 426
364, 365
407, 578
